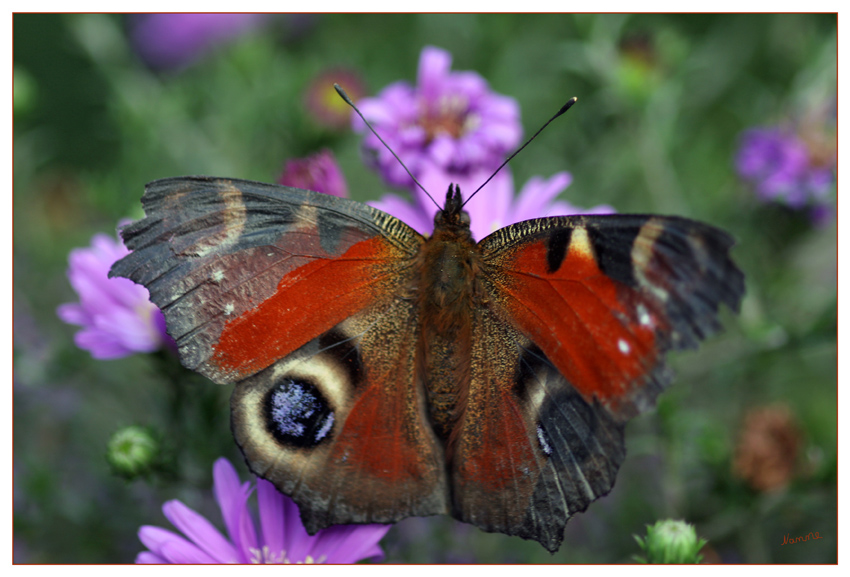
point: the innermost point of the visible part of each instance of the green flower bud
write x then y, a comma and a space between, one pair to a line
670, 542
132, 451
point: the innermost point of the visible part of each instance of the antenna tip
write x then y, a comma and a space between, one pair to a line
342, 93
567, 106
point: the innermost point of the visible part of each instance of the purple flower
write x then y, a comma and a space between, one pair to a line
450, 119
492, 208
281, 537
780, 165
116, 314
318, 172
167, 41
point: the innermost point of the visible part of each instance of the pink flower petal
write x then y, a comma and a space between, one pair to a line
101, 346
200, 531
72, 313
284, 538
434, 65
168, 545
148, 558
537, 194
298, 541
470, 84
232, 496
351, 543
153, 537
270, 503
185, 553
116, 314
246, 538
406, 212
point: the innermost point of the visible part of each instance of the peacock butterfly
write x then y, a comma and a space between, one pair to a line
381, 374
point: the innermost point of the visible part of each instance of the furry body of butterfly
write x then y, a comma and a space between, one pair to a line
447, 291
380, 374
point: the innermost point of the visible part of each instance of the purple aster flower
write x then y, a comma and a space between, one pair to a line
116, 314
492, 208
168, 41
281, 537
449, 119
318, 172
781, 167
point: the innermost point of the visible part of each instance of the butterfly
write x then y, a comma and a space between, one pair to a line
381, 374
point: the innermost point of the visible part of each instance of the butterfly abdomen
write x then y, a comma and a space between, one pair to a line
447, 293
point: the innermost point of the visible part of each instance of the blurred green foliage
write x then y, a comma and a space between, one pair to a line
662, 101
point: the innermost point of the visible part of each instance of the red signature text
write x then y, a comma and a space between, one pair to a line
789, 540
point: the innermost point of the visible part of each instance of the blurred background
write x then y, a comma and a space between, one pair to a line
673, 112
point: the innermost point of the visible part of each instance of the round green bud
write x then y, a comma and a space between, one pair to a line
132, 451
671, 541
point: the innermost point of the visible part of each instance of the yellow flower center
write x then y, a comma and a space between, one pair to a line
265, 556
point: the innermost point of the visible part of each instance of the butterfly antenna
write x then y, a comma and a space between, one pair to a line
348, 101
563, 109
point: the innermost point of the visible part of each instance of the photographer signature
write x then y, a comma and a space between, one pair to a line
789, 540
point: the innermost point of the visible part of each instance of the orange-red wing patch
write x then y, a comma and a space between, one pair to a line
309, 301
604, 297
580, 318
247, 272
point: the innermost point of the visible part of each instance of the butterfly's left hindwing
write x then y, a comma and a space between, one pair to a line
340, 427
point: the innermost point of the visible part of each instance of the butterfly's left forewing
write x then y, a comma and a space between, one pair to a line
581, 311
247, 272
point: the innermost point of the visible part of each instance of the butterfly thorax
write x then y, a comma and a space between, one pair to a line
448, 291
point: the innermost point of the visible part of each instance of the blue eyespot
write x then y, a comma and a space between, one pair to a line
297, 414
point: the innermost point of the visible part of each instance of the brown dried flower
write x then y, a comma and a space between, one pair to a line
766, 454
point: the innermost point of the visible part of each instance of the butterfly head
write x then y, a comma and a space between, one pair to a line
452, 214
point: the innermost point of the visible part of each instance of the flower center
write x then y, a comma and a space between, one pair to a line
450, 115
267, 557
